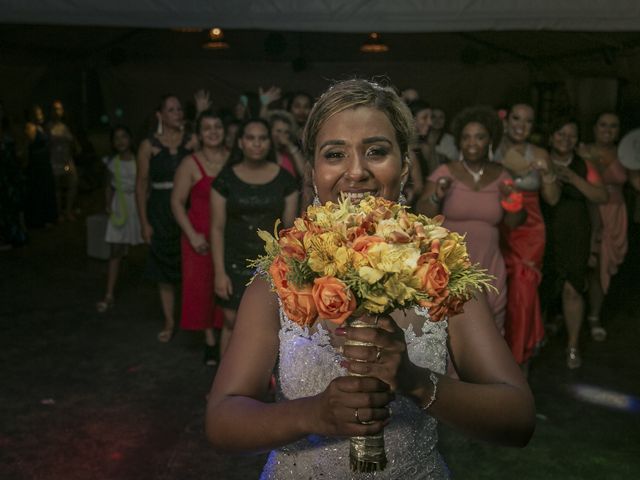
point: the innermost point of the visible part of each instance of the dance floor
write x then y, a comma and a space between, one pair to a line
91, 396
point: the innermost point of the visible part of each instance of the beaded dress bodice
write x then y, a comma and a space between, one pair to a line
308, 363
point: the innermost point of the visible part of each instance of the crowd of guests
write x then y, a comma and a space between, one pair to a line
547, 220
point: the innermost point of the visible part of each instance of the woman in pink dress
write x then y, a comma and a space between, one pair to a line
610, 222
192, 183
471, 194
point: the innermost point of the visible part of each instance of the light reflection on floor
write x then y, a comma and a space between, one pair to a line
605, 398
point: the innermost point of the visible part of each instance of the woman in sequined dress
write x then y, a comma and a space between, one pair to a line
357, 138
248, 195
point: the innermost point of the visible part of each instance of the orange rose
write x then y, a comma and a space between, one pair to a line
333, 299
434, 278
443, 307
278, 271
299, 305
291, 243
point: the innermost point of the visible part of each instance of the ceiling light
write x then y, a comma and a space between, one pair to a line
374, 44
216, 37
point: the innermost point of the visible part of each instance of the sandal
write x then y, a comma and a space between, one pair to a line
598, 332
211, 355
573, 358
103, 305
165, 335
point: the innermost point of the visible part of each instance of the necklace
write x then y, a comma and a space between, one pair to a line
566, 163
475, 175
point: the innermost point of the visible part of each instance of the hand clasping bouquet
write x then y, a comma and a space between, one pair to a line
342, 260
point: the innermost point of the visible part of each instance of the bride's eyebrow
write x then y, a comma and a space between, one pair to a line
332, 142
376, 140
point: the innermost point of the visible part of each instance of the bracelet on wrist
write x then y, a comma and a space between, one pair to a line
434, 381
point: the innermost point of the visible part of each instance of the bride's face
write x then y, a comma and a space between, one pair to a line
357, 152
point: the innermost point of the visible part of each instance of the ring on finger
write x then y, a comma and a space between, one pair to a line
378, 354
357, 417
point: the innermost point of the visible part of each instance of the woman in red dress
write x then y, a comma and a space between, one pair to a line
523, 247
192, 183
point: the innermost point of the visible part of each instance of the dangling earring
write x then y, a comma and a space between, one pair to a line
316, 198
159, 130
460, 156
491, 152
402, 199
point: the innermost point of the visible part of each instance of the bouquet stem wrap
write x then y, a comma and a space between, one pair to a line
366, 454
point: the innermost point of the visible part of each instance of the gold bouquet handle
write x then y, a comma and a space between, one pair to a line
366, 454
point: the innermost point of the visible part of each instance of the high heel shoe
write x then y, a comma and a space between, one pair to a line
211, 355
103, 305
598, 332
573, 358
165, 335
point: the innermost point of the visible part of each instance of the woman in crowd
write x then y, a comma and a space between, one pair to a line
192, 185
568, 235
472, 195
357, 138
40, 206
284, 138
249, 194
123, 228
610, 220
523, 248
64, 147
158, 159
299, 107
441, 142
12, 230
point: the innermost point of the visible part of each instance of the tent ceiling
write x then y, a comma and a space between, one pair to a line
335, 15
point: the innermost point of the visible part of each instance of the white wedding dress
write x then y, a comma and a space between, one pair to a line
308, 362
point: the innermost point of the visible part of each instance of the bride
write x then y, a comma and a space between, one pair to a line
356, 138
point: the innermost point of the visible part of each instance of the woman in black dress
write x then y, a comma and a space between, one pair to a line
250, 193
569, 229
158, 158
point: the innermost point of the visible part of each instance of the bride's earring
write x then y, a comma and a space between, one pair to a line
159, 130
491, 152
316, 198
402, 199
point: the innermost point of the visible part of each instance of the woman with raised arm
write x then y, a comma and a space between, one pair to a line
157, 161
192, 185
357, 138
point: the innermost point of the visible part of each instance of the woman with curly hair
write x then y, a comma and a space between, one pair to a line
472, 195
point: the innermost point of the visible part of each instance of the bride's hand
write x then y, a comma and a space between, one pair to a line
351, 406
387, 360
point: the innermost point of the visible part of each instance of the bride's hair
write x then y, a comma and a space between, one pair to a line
359, 93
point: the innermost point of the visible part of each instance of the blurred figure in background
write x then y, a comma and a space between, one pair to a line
123, 228
40, 206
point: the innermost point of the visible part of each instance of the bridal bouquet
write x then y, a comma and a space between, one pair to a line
342, 260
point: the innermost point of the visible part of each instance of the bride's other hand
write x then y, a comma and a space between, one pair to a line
387, 359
